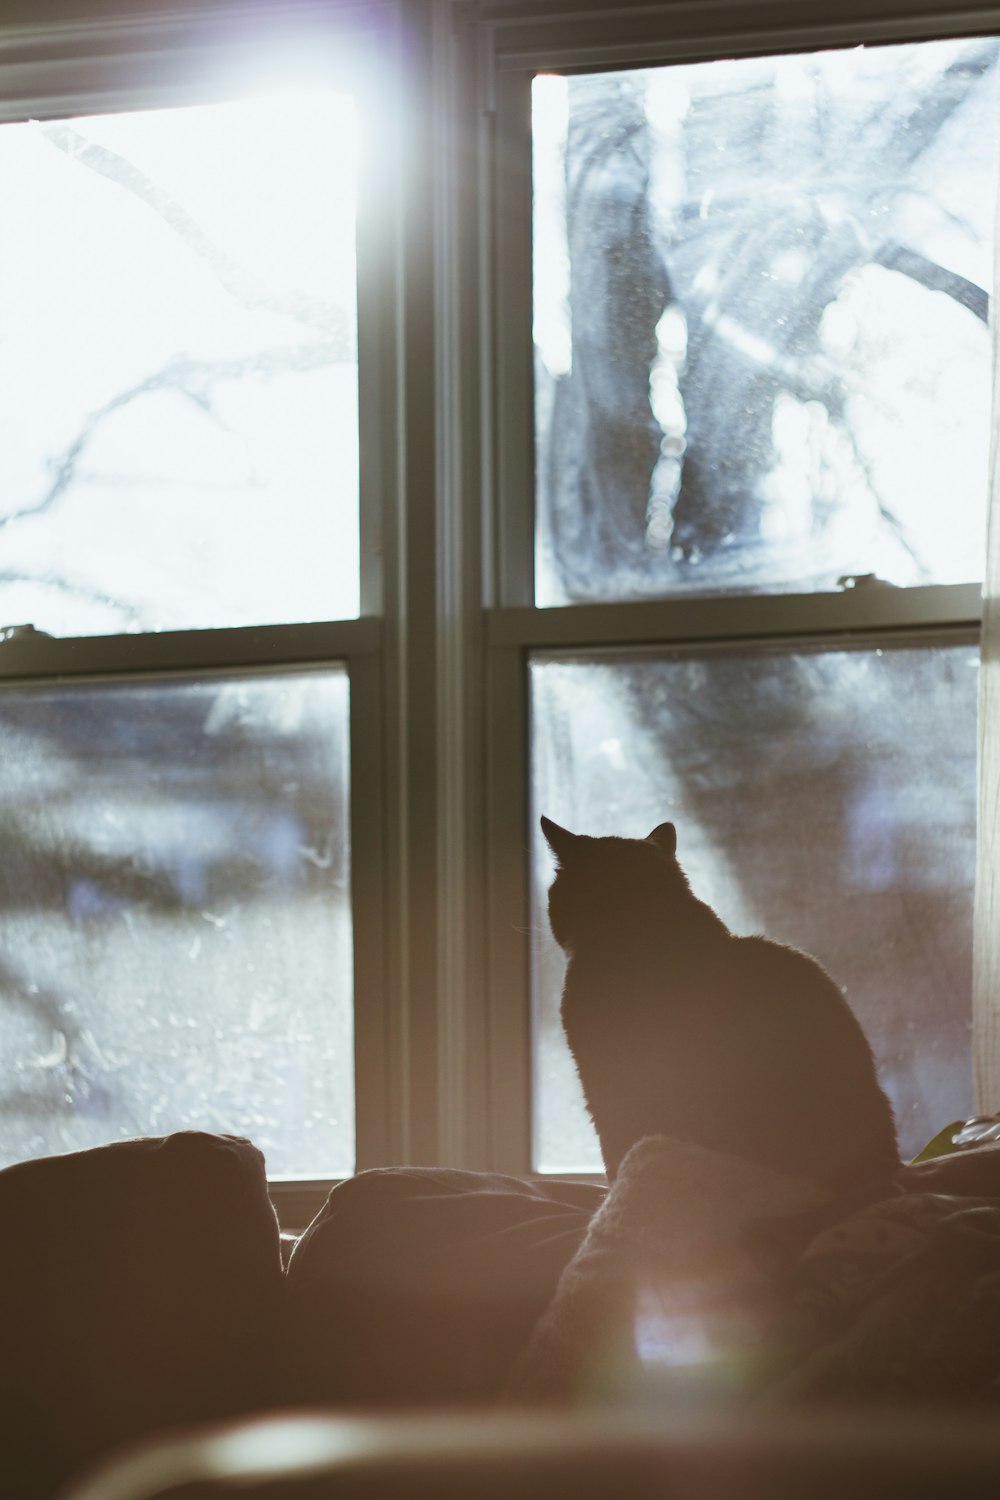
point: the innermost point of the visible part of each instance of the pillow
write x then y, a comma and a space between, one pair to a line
139, 1289
421, 1285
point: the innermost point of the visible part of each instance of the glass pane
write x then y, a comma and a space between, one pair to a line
175, 922
178, 339
760, 322
827, 800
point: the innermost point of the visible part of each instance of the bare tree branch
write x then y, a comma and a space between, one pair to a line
75, 590
934, 277
324, 317
192, 378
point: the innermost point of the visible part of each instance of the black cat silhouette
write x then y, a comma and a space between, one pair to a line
680, 1028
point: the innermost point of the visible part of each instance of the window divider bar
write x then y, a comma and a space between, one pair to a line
80, 59
32, 654
689, 30
863, 610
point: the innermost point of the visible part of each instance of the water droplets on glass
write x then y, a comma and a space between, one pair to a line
806, 790
175, 920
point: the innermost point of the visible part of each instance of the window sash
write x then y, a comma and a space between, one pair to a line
514, 637
588, 38
81, 60
583, 34
510, 495
81, 67
71, 66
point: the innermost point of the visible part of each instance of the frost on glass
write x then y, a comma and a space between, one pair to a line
175, 925
760, 322
178, 365
827, 800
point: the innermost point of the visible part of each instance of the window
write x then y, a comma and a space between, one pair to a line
176, 923
759, 359
758, 300
428, 417
183, 347
184, 567
807, 785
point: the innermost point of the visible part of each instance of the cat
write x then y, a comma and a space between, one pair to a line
680, 1028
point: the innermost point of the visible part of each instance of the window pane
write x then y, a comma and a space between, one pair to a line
175, 924
178, 340
825, 799
761, 348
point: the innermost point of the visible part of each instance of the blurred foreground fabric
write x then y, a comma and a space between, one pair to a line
142, 1293
707, 1277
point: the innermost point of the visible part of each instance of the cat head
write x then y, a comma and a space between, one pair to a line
566, 845
609, 884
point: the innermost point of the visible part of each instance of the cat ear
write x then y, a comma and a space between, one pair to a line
664, 837
560, 840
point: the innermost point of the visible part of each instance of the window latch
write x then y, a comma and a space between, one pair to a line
863, 581
21, 633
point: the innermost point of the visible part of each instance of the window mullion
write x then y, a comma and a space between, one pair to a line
462, 135
412, 894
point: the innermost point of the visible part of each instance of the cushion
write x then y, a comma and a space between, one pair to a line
673, 1273
421, 1285
139, 1289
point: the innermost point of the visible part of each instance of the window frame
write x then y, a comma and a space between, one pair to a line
70, 65
582, 37
438, 657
